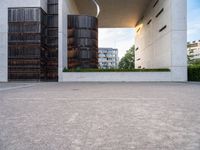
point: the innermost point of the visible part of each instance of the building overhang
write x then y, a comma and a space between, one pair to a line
115, 13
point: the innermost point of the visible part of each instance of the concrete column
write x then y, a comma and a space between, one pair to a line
179, 40
65, 7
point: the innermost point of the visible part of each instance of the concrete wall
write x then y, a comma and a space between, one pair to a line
116, 76
4, 5
179, 40
65, 7
166, 49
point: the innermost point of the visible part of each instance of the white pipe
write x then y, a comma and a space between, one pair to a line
98, 8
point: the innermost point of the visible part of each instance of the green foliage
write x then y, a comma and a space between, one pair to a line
190, 56
194, 72
128, 61
117, 70
194, 62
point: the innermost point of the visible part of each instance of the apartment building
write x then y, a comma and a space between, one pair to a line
193, 50
108, 58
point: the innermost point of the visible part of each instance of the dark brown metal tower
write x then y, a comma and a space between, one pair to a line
26, 44
82, 42
33, 43
52, 40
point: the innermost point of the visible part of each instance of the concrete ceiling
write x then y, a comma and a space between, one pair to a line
115, 13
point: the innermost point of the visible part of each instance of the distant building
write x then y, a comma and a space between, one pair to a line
108, 58
193, 50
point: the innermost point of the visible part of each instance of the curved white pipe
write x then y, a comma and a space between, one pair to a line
98, 8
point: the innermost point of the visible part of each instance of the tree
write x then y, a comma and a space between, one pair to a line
128, 61
194, 62
191, 58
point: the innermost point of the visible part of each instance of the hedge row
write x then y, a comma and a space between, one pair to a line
116, 70
194, 73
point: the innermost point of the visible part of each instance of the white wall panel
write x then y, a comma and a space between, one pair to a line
166, 49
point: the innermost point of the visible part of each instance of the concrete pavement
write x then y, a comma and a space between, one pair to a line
99, 116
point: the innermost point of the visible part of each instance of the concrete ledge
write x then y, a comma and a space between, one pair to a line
115, 76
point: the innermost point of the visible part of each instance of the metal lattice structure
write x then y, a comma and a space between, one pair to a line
52, 40
33, 43
82, 42
26, 43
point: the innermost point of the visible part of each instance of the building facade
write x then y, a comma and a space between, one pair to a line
26, 43
193, 50
161, 38
82, 42
108, 58
35, 41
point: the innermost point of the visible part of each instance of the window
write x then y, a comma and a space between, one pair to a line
160, 12
155, 3
149, 22
163, 28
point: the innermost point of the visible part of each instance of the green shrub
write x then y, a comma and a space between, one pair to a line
194, 72
117, 70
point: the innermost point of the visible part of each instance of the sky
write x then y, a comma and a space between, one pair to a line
193, 20
123, 38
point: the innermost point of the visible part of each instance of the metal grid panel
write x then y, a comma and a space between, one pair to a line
33, 43
26, 44
52, 40
82, 42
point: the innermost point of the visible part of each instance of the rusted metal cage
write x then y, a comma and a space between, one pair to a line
82, 42
26, 43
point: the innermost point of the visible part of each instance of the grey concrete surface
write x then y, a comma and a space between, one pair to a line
100, 116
